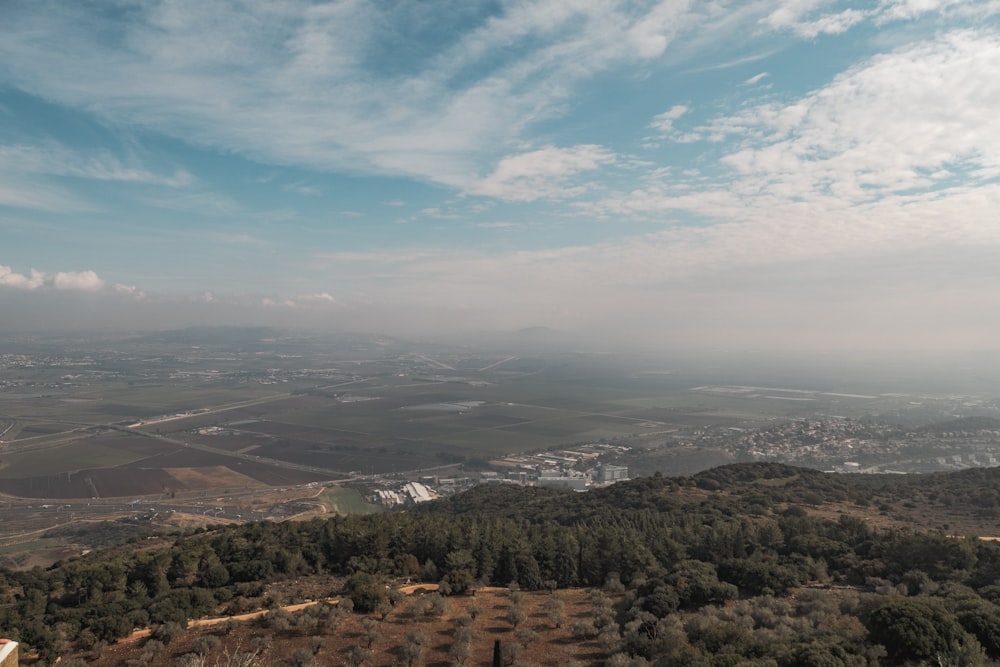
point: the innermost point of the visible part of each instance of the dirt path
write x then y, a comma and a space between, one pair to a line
260, 613
253, 615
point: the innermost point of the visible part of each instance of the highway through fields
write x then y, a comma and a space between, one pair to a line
339, 474
240, 404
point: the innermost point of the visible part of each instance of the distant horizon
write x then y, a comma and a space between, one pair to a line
544, 336
972, 372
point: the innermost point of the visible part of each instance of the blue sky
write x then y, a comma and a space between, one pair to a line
790, 174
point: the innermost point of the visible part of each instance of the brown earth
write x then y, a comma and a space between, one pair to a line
214, 477
553, 647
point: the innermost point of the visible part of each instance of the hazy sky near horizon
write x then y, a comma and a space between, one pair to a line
785, 174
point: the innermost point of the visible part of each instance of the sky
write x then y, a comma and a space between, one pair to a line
782, 175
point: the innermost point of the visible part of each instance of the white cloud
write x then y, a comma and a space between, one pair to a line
906, 121
83, 281
891, 10
656, 30
86, 281
664, 122
321, 297
129, 290
307, 300
544, 173
790, 13
8, 278
811, 18
832, 24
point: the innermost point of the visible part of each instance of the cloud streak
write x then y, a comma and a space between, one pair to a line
295, 83
100, 165
542, 173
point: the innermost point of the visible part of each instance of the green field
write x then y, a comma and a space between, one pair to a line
314, 419
79, 454
519, 414
339, 500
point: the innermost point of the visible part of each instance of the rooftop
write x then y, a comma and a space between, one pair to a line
8, 647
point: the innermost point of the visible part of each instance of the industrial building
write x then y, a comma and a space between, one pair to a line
418, 493
608, 474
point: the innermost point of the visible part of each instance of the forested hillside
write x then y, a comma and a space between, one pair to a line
740, 565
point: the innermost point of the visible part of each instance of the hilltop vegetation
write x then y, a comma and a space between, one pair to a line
740, 565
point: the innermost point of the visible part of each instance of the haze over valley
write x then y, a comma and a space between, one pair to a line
621, 333
241, 424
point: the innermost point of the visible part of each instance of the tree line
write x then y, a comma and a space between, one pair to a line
669, 549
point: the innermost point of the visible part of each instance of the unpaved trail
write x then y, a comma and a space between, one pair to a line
140, 633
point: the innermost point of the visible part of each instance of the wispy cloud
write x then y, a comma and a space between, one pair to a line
544, 173
664, 122
906, 120
791, 14
58, 160
320, 299
204, 202
302, 189
915, 120
811, 18
291, 83
499, 225
26, 193
300, 84
384, 257
36, 176
893, 10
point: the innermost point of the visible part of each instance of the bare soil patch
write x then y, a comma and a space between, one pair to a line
214, 477
553, 647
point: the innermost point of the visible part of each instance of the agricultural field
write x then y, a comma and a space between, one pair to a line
186, 414
91, 450
228, 419
339, 500
164, 417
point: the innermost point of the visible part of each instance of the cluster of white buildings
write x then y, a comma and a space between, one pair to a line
412, 493
429, 488
574, 480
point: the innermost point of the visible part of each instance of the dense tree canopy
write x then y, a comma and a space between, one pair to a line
676, 547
